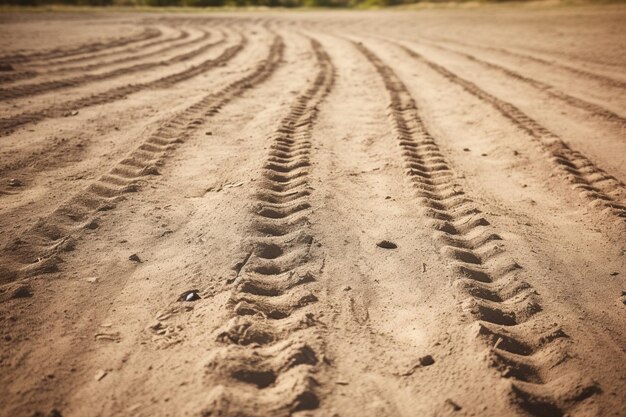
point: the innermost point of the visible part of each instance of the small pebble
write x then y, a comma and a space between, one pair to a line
191, 295
385, 244
426, 360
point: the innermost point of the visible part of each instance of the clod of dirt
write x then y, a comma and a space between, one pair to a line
14, 182
466, 149
385, 244
134, 258
614, 273
100, 374
23, 291
426, 360
6, 67
209, 133
421, 362
452, 405
191, 295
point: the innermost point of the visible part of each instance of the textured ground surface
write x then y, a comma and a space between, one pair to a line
260, 160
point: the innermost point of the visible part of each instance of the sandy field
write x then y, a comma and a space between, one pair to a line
373, 214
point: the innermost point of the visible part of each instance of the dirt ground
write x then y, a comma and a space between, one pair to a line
382, 213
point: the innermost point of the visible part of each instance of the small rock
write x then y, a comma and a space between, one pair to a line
191, 295
426, 360
347, 288
615, 273
385, 244
209, 133
483, 154
100, 374
134, 258
466, 149
341, 382
91, 279
14, 182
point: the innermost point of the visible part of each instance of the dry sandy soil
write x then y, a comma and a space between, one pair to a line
194, 209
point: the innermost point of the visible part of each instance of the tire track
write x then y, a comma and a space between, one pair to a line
38, 250
117, 93
272, 346
547, 88
106, 53
46, 86
148, 33
30, 73
601, 189
505, 308
611, 82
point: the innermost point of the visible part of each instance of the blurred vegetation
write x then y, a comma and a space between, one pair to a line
249, 3
215, 3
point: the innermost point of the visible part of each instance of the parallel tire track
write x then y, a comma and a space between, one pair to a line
31, 73
108, 53
272, 345
148, 33
46, 86
612, 82
549, 89
38, 250
504, 307
60, 110
601, 189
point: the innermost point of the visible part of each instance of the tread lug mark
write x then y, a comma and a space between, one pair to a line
272, 345
599, 188
117, 93
44, 240
504, 307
